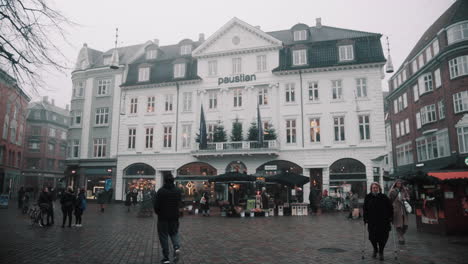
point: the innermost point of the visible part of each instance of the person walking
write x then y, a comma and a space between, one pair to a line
80, 206
44, 205
67, 201
101, 199
166, 205
21, 193
134, 196
128, 200
398, 196
50, 215
353, 205
378, 213
205, 204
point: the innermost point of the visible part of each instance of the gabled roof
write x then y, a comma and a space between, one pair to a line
231, 23
48, 107
324, 33
125, 53
457, 12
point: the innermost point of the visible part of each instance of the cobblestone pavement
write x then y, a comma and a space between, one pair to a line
117, 236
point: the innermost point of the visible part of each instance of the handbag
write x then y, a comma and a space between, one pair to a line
407, 207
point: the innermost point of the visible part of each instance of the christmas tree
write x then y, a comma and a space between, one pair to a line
270, 133
236, 133
219, 134
253, 132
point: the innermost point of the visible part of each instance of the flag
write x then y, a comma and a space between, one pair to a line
259, 126
203, 136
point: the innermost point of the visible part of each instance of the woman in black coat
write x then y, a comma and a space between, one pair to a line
378, 214
67, 201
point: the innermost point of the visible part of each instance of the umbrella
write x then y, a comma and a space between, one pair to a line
233, 177
288, 178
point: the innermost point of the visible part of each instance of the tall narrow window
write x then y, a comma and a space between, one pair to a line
143, 74
133, 105
131, 138
407, 130
361, 87
291, 131
213, 100
364, 127
103, 87
290, 93
179, 70
315, 130
210, 133
167, 136
313, 91
186, 135
337, 90
460, 102
187, 100
236, 65
346, 53
149, 135
76, 148
102, 116
77, 118
261, 63
263, 96
169, 98
100, 147
438, 81
339, 127
237, 97
299, 57
416, 92
81, 86
150, 104
462, 139
441, 106
212, 68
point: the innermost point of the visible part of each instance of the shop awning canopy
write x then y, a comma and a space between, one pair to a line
233, 177
288, 178
449, 175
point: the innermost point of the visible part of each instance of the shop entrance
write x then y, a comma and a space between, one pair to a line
347, 175
192, 179
139, 177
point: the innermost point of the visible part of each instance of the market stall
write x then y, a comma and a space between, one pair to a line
441, 204
293, 182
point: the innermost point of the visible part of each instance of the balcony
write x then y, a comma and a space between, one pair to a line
242, 148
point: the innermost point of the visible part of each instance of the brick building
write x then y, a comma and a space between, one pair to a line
45, 145
13, 108
428, 98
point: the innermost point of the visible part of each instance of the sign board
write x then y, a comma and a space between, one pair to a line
271, 167
448, 195
4, 198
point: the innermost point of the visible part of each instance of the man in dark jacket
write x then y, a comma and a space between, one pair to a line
166, 206
378, 214
44, 203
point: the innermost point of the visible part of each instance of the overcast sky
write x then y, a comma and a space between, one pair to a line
170, 21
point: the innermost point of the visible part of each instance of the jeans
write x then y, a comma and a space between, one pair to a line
168, 228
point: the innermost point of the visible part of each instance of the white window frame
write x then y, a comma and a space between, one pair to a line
441, 107
102, 116
186, 49
407, 126
404, 154
339, 129
290, 93
414, 66
299, 57
210, 130
361, 87
236, 65
143, 74
261, 63
300, 35
458, 32
395, 106
149, 137
428, 114
212, 100
337, 89
425, 83
167, 136
314, 129
313, 91
168, 102
75, 148
428, 52
237, 97
134, 105
433, 146
179, 70
150, 104
364, 127
421, 60
151, 54
131, 138
418, 120
186, 136
438, 81
99, 147
263, 96
187, 102
458, 66
346, 53
213, 68
435, 46
460, 102
77, 117
405, 101
416, 92
291, 135
397, 130
103, 87
462, 134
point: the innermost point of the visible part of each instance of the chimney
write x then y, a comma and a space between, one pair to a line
318, 22
45, 99
85, 45
52, 101
201, 37
156, 42
67, 107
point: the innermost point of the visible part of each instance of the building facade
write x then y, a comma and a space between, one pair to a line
429, 99
13, 108
45, 147
317, 91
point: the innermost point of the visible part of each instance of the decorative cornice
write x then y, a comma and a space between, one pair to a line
239, 51
332, 68
155, 85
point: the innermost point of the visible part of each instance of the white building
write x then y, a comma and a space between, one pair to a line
318, 87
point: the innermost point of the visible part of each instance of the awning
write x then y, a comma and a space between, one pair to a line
449, 175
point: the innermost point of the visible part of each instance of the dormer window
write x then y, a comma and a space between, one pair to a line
179, 70
143, 74
107, 60
151, 54
186, 50
300, 35
346, 53
299, 57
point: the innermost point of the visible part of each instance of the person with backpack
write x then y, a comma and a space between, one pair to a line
205, 204
166, 205
67, 201
80, 206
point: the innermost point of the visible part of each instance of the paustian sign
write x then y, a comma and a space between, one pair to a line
238, 78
